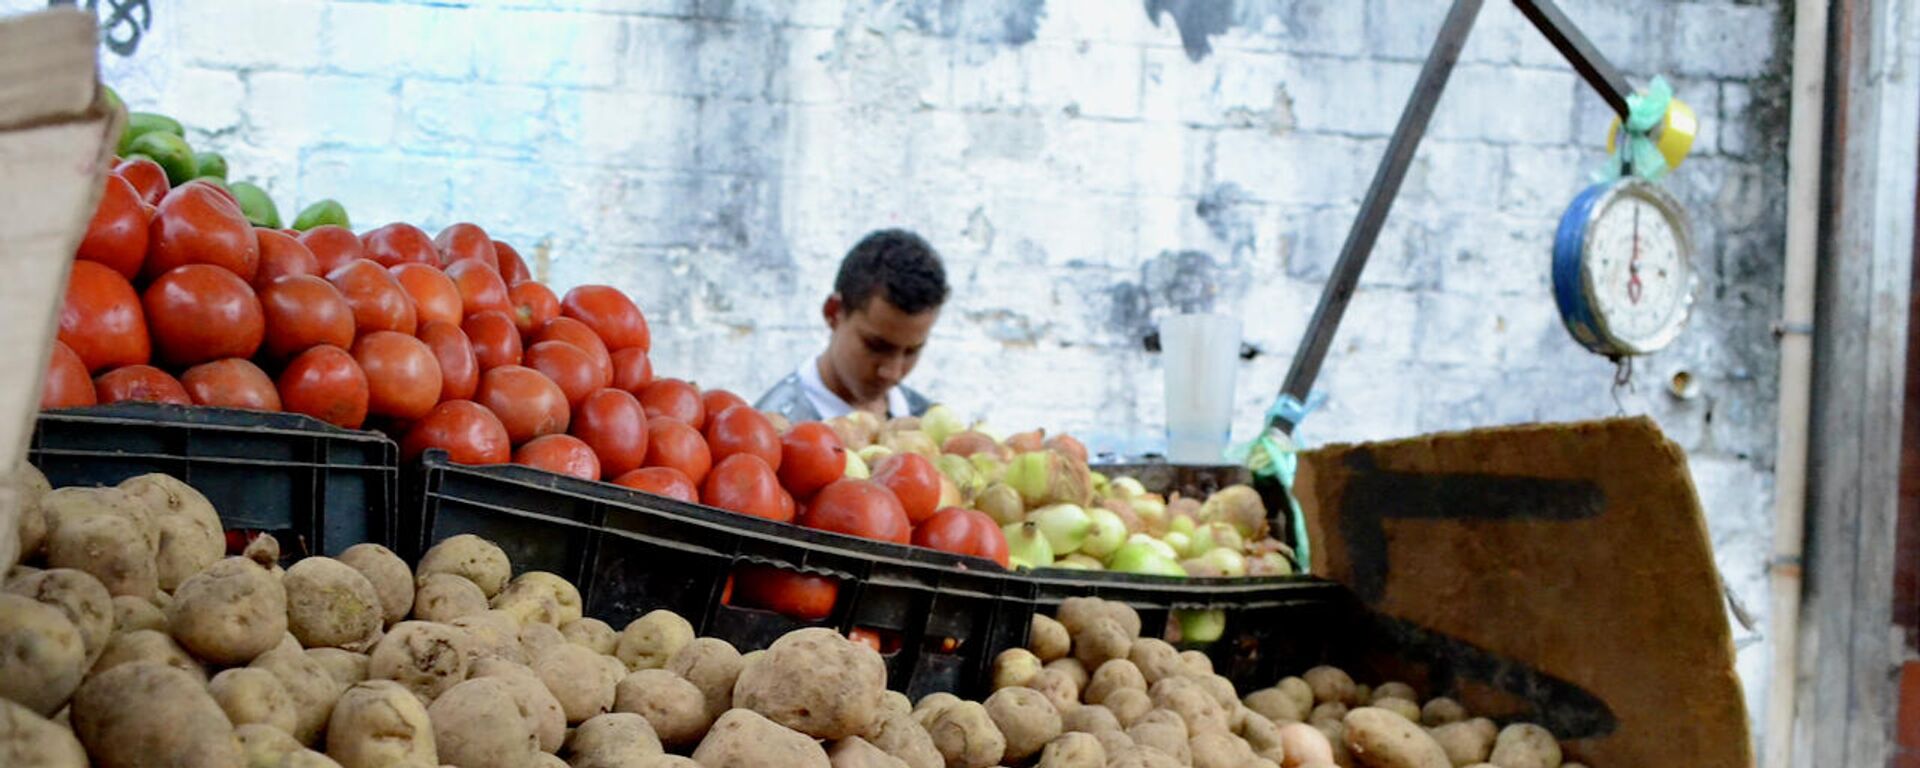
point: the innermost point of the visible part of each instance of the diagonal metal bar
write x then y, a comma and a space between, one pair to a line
1579, 51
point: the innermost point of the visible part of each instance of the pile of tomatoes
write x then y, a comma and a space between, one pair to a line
448, 342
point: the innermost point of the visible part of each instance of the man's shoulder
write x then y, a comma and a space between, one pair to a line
788, 397
917, 404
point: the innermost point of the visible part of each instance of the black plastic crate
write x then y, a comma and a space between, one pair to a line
318, 488
943, 616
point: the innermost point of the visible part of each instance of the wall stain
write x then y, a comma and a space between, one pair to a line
1007, 22
1197, 20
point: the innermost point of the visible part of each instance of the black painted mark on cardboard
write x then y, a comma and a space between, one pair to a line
126, 22
1566, 709
1374, 495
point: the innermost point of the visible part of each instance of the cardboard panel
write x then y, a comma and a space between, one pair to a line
1559, 574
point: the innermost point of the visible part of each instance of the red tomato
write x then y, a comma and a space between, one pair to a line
465, 241
512, 270
561, 455
196, 224
610, 314
965, 532
231, 383
613, 422
674, 399
795, 595
378, 301
866, 637
788, 507
714, 401
400, 243
469, 433
741, 429
281, 256
201, 312
140, 383
434, 297
858, 508
632, 370
334, 247
403, 377
117, 235
495, 341
304, 311
811, 457
743, 483
148, 179
578, 334
567, 366
661, 481
459, 369
66, 384
671, 443
912, 478
101, 319
324, 382
529, 404
533, 305
480, 287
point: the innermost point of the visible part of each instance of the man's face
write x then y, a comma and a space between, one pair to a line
873, 348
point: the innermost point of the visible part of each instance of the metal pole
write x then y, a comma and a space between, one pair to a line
1379, 200
1579, 51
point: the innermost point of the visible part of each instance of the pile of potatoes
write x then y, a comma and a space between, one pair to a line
129, 638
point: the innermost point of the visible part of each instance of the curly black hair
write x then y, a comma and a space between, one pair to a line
896, 264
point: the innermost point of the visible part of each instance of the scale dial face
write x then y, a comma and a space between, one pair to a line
1635, 269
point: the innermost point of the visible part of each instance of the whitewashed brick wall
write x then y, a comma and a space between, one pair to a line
715, 158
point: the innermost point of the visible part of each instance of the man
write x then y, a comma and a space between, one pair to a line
884, 303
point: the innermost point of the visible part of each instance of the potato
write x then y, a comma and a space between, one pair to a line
542, 711
1101, 641
264, 746
1027, 721
344, 666
1090, 719
1331, 710
903, 738
1222, 692
966, 736
1015, 667
855, 752
30, 487
1219, 749
541, 583
1378, 737
1297, 689
675, 708
594, 634
1143, 757
470, 557
131, 613
931, 705
1275, 705
1115, 742
1168, 737
444, 597
1467, 742
332, 605
80, 596
381, 723
478, 724
31, 741
424, 657
1074, 750
1048, 639
189, 530
1074, 670
1155, 658
1401, 707
98, 530
1197, 663
1441, 711
611, 740
263, 549
537, 637
1128, 705
254, 697
892, 704
147, 645
741, 738
493, 635
1394, 690
583, 686
1188, 699
307, 758
147, 714
1331, 684
649, 642
815, 682
528, 606
713, 666
1059, 690
229, 613
1304, 744
1077, 613
42, 655
313, 690
1112, 676
1525, 745
392, 580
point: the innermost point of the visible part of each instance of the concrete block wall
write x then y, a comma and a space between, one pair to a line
1080, 163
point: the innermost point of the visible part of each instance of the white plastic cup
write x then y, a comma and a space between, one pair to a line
1201, 354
